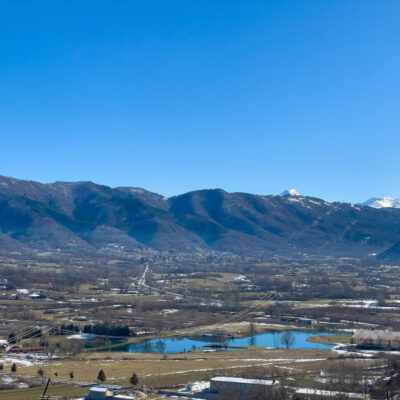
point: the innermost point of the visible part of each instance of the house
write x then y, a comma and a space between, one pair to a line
197, 386
103, 393
37, 296
225, 386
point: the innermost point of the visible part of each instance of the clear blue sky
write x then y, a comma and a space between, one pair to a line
172, 96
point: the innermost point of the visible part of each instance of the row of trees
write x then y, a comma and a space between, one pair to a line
101, 376
107, 330
133, 380
12, 338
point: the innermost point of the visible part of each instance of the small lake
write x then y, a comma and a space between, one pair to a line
189, 343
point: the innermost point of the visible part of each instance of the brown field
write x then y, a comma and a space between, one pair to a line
159, 371
34, 393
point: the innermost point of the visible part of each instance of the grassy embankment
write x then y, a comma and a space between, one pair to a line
330, 339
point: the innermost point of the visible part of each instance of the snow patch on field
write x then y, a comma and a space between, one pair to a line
270, 362
8, 379
343, 349
21, 361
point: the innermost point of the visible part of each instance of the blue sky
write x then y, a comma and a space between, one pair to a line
172, 96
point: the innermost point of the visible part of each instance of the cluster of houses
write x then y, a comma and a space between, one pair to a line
24, 294
376, 339
225, 387
220, 386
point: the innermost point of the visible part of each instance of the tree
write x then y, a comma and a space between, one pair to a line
287, 339
11, 338
221, 339
101, 376
1, 367
14, 367
71, 375
40, 372
252, 329
134, 380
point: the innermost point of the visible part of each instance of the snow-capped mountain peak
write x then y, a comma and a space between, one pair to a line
382, 202
290, 192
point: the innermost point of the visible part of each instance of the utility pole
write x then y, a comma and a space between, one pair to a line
43, 396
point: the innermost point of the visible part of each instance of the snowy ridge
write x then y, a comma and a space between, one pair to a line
382, 202
290, 192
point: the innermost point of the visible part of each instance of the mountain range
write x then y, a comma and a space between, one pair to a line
87, 217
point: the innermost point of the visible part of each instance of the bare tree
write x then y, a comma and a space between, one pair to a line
287, 339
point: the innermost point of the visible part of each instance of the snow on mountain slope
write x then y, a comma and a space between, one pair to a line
382, 202
290, 192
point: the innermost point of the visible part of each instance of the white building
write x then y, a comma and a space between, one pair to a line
225, 385
98, 393
197, 386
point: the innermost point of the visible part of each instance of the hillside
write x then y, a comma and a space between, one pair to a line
86, 217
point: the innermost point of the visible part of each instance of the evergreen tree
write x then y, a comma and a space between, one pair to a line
11, 338
134, 380
71, 375
101, 376
14, 368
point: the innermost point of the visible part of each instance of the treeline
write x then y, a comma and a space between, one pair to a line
97, 329
66, 329
12, 338
60, 279
104, 329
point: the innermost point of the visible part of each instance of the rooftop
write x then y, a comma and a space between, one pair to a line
242, 380
98, 389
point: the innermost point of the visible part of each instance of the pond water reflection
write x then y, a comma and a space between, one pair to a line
189, 343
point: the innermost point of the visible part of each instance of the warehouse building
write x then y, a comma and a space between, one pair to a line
225, 385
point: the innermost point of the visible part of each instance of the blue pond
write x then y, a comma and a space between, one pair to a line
184, 344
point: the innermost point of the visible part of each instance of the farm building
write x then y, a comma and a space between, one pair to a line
376, 338
37, 296
17, 349
197, 386
224, 385
306, 321
98, 393
103, 393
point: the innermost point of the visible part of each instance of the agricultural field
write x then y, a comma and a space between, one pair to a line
78, 315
